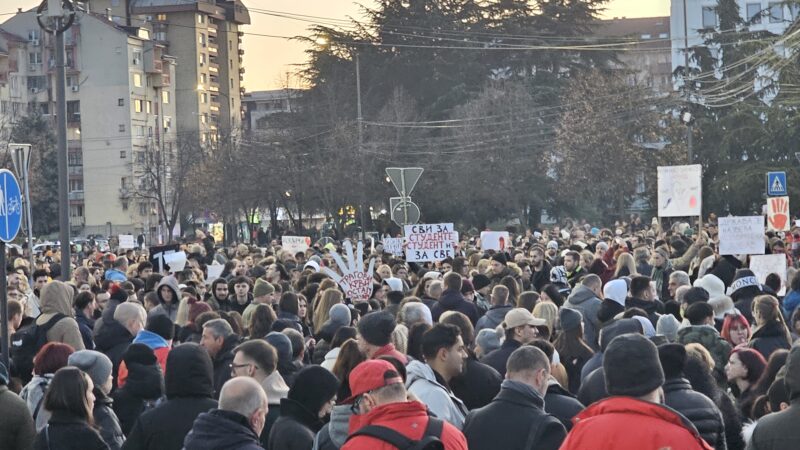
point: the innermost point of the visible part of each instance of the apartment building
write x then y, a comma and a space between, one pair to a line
120, 106
259, 105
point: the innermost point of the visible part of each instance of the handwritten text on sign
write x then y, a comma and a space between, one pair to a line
393, 246
741, 235
432, 242
358, 286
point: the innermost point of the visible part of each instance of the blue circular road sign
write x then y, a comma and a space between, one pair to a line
10, 206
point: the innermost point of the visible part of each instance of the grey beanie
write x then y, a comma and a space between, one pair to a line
282, 344
667, 326
95, 364
570, 319
340, 314
488, 340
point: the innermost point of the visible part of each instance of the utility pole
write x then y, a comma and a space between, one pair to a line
360, 120
686, 80
56, 17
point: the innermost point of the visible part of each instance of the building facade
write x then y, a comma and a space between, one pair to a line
259, 105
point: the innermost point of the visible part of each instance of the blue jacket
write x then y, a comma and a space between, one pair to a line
150, 339
790, 302
115, 275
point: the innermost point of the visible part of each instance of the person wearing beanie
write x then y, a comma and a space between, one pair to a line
487, 341
17, 430
375, 336
667, 326
305, 410
283, 347
189, 387
743, 290
712, 284
633, 417
571, 346
680, 396
157, 335
263, 294
779, 430
701, 330
614, 294
338, 317
143, 387
592, 384
98, 367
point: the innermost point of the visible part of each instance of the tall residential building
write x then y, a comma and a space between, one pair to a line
206, 39
120, 108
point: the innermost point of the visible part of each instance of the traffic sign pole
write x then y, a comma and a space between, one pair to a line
4, 305
10, 220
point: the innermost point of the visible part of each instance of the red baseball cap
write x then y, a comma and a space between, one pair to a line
370, 375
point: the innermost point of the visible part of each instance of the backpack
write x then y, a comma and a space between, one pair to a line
431, 438
26, 342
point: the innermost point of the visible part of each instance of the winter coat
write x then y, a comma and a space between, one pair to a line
610, 331
390, 350
588, 304
67, 432
222, 363
494, 317
113, 340
654, 308
725, 269
561, 404
56, 297
624, 423
115, 275
708, 337
769, 338
33, 394
231, 304
106, 421
330, 358
295, 428
158, 344
507, 421
497, 358
144, 385
541, 278
477, 385
593, 387
574, 367
452, 300
321, 349
86, 327
408, 418
699, 409
423, 383
778, 431
168, 309
277, 390
335, 432
218, 429
190, 387
17, 430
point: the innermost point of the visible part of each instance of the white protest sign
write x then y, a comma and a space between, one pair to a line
763, 265
393, 246
355, 282
680, 190
214, 271
127, 241
495, 240
176, 261
741, 235
432, 242
778, 214
295, 244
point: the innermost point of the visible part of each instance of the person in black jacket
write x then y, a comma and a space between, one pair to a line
219, 341
516, 418
770, 332
143, 387
452, 300
237, 422
679, 395
644, 296
98, 367
70, 401
115, 336
189, 384
520, 328
557, 400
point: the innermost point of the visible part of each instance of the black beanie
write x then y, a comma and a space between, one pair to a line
139, 354
694, 295
480, 281
376, 328
673, 359
631, 366
313, 387
500, 257
161, 325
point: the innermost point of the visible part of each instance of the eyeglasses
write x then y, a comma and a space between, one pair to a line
234, 367
355, 408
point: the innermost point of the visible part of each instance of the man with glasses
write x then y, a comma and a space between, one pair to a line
521, 328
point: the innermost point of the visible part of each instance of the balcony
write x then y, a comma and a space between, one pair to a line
76, 196
77, 221
241, 69
241, 52
125, 193
212, 49
160, 80
76, 171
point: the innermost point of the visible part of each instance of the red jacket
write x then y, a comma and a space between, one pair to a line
408, 418
623, 423
161, 356
389, 350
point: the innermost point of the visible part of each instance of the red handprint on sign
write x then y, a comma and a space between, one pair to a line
779, 213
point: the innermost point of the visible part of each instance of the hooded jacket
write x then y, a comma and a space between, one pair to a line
106, 421
168, 309
113, 339
143, 387
189, 384
493, 318
422, 382
333, 435
779, 430
56, 297
654, 308
218, 429
452, 300
158, 344
295, 428
708, 337
588, 304
33, 394
561, 403
276, 390
608, 333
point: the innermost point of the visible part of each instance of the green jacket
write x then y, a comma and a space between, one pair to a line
708, 337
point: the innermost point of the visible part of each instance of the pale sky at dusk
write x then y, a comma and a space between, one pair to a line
267, 60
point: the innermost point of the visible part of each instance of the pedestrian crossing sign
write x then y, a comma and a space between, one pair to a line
776, 184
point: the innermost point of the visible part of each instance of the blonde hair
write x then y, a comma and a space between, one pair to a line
483, 265
322, 310
702, 353
549, 312
182, 315
626, 260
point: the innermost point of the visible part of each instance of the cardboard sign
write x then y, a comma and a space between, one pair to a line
680, 190
495, 240
763, 265
778, 218
127, 241
393, 246
429, 243
214, 271
295, 244
354, 281
741, 235
176, 261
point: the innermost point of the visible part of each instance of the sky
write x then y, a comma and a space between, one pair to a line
269, 60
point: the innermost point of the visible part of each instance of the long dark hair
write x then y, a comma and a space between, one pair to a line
570, 344
67, 393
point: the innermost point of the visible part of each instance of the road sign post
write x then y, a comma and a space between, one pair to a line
403, 210
21, 156
10, 220
776, 184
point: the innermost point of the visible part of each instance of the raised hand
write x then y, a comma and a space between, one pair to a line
354, 281
780, 214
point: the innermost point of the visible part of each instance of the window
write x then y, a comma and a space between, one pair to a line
137, 56
139, 130
161, 17
34, 35
72, 80
647, 36
124, 205
203, 78
122, 154
663, 35
754, 12
164, 96
201, 39
203, 97
142, 209
35, 57
201, 18
137, 79
204, 118
148, 107
202, 58
167, 123
775, 12
137, 106
231, 83
709, 17
120, 102
122, 128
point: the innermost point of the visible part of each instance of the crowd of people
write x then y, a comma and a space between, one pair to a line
572, 337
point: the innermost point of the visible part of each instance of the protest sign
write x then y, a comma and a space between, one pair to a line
176, 261
778, 214
354, 281
495, 240
295, 244
431, 242
393, 246
763, 265
127, 241
214, 271
157, 255
680, 191
741, 235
